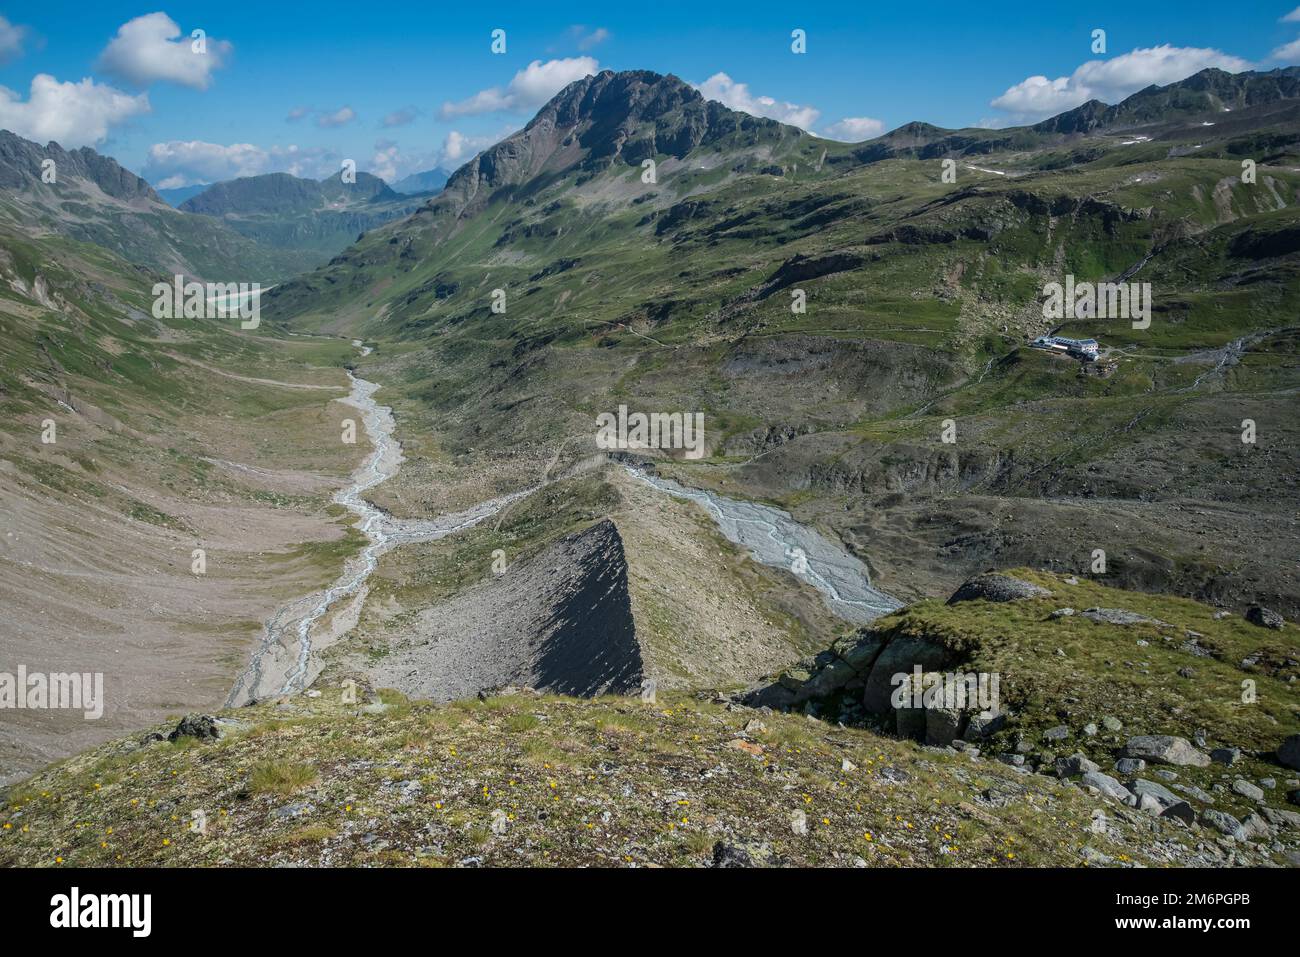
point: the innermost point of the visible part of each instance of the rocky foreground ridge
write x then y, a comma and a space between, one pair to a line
1117, 729
1108, 749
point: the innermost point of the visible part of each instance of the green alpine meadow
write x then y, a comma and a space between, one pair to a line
656, 473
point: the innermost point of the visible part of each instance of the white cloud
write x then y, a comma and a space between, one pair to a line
186, 163
458, 149
529, 89
1111, 80
586, 39
387, 163
72, 114
147, 49
400, 117
340, 117
728, 92
854, 129
1287, 53
1292, 17
11, 40
297, 113
391, 164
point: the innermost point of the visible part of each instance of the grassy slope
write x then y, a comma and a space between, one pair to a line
100, 347
608, 305
1073, 671
605, 782
615, 277
99, 526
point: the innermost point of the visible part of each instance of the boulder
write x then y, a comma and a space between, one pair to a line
829, 679
1192, 790
1119, 616
984, 724
774, 696
1165, 749
1159, 792
1149, 805
1106, 784
1224, 823
1130, 765
942, 725
900, 656
993, 586
1280, 817
1180, 810
1226, 756
910, 723
201, 726
1076, 763
859, 650
1247, 790
1288, 752
1264, 617
1059, 733
729, 855
793, 679
1256, 828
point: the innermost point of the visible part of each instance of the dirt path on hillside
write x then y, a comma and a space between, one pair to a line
251, 379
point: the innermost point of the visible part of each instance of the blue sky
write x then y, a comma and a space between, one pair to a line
399, 87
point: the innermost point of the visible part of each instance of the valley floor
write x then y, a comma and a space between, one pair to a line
100, 528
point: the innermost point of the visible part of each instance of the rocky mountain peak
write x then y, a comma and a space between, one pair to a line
602, 119
20, 169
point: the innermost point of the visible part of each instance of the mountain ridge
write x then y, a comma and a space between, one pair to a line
93, 198
284, 192
21, 168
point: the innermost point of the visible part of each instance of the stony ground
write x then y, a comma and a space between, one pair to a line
521, 779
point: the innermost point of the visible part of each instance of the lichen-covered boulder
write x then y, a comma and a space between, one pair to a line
993, 586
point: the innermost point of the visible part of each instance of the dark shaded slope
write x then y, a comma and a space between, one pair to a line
560, 622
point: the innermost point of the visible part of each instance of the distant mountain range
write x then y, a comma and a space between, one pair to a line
312, 219
180, 194
425, 183
93, 199
259, 228
430, 181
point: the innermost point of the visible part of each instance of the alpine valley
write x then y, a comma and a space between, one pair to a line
484, 632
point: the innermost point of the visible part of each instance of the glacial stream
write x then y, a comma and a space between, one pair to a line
283, 663
287, 660
774, 538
